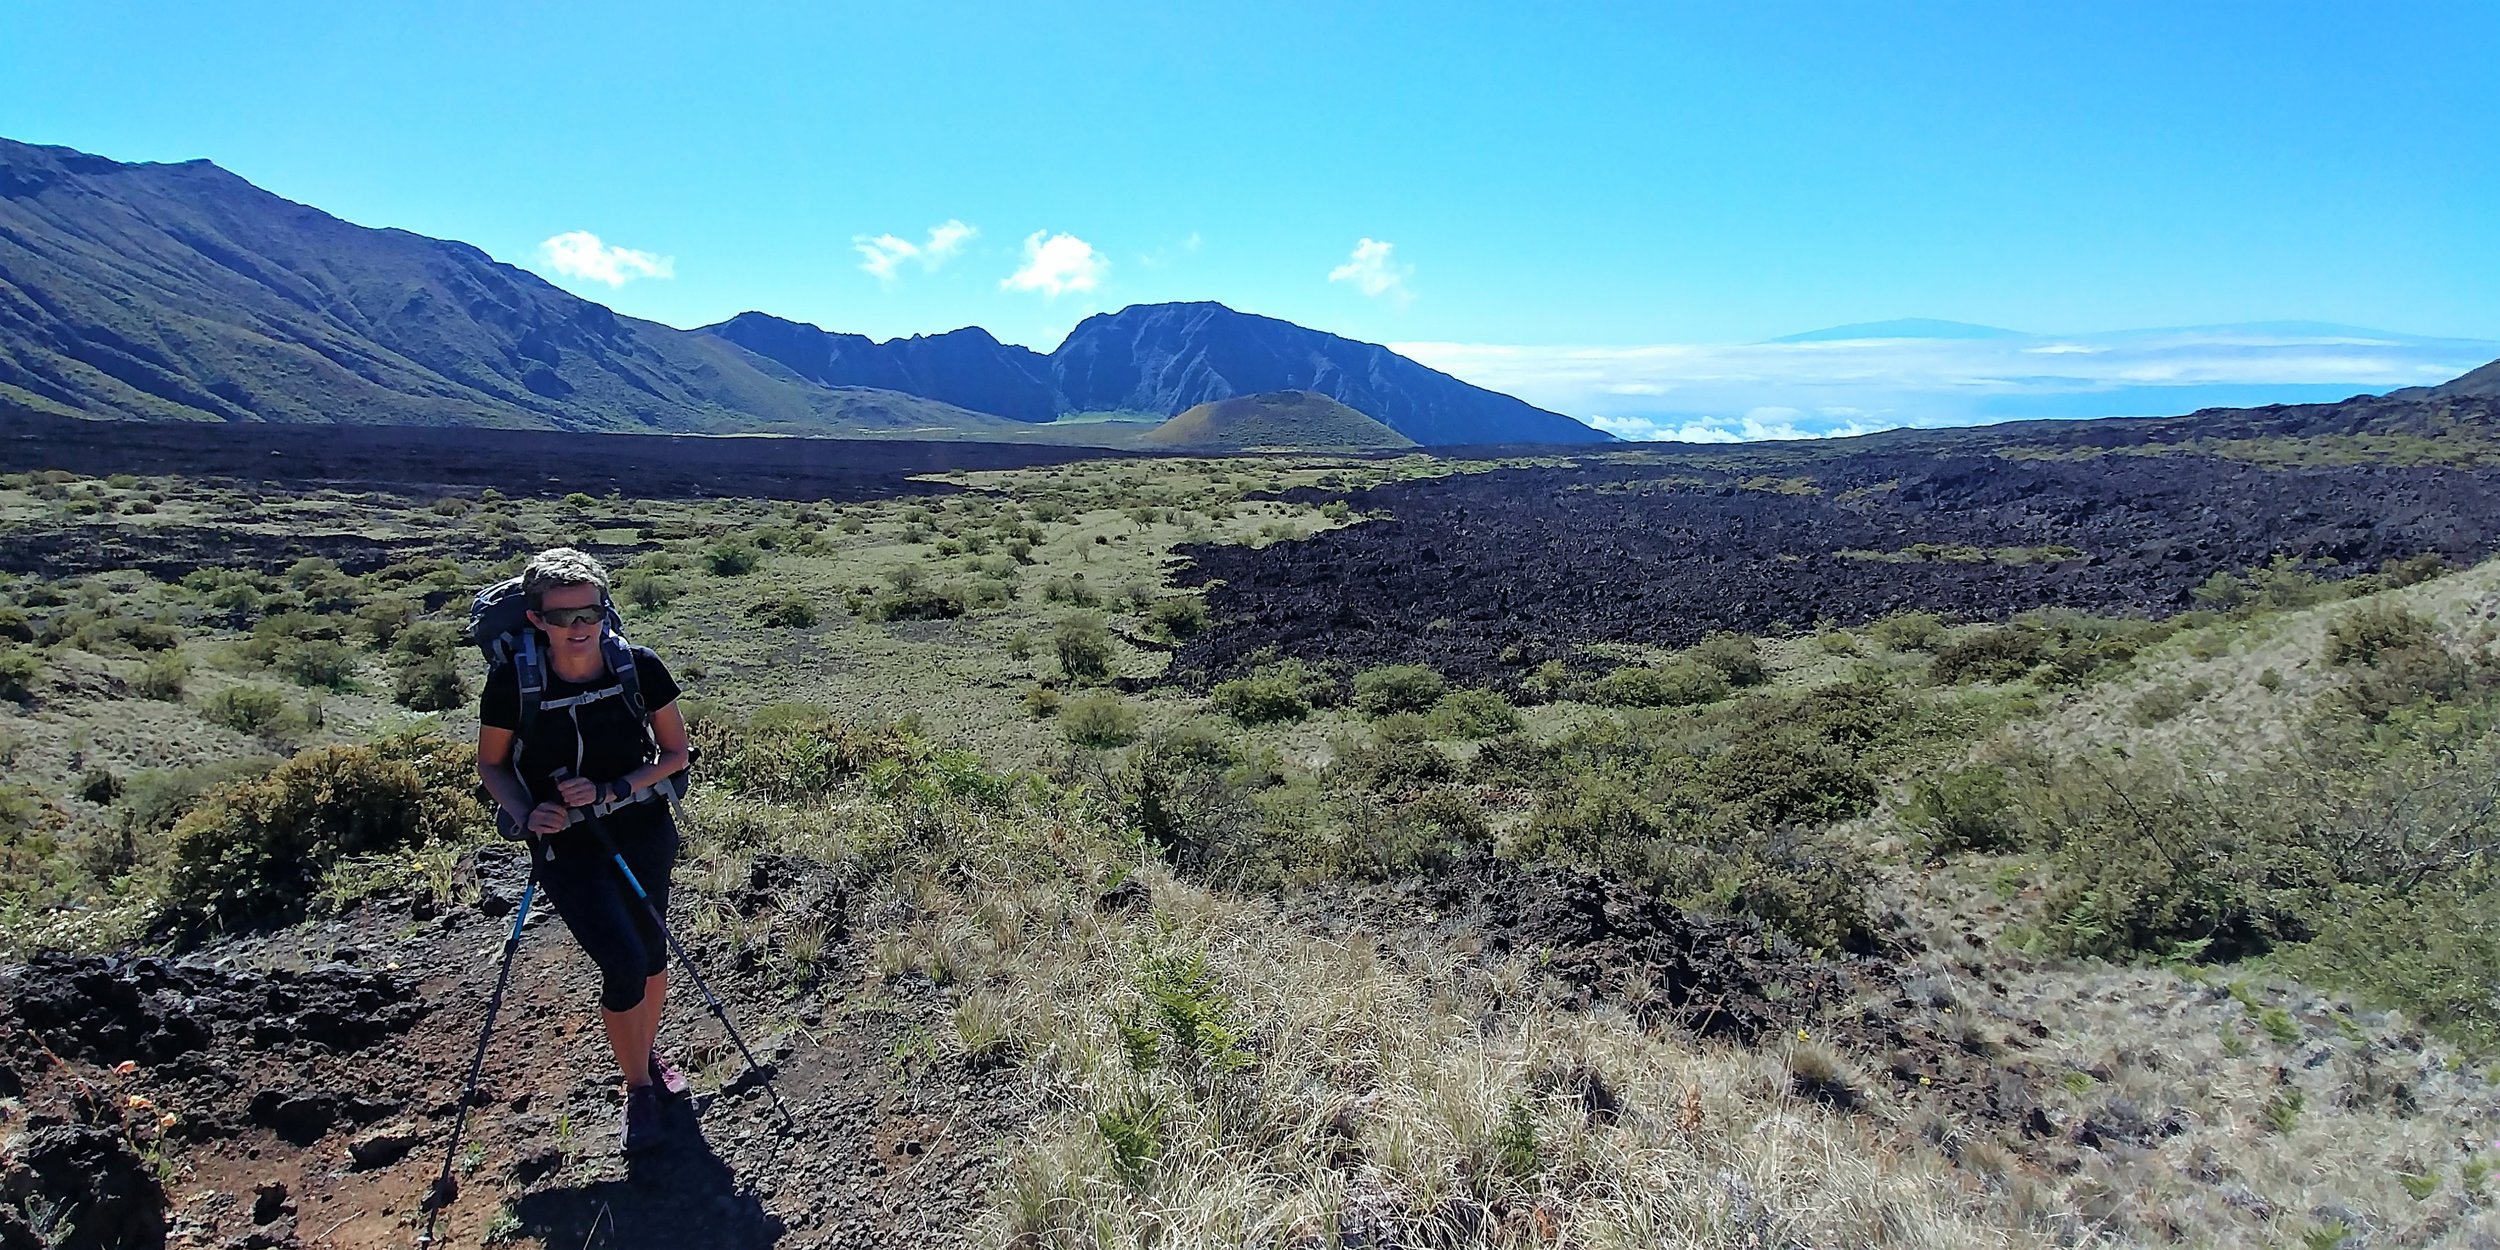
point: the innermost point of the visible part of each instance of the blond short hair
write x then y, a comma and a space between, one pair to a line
561, 566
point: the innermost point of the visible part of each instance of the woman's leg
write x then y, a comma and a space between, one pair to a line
631, 1033
652, 853
610, 925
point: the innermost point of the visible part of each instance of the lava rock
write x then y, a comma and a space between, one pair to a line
270, 1203
383, 1147
105, 1193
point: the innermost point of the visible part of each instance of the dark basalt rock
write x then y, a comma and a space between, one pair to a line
1484, 576
106, 1009
102, 1194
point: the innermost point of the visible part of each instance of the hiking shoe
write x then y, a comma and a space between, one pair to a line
644, 1123
665, 1076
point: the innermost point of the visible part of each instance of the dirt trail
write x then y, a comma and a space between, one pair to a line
310, 1078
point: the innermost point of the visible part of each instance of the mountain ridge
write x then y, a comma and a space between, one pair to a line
182, 291
1163, 358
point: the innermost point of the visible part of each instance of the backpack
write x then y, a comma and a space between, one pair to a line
500, 626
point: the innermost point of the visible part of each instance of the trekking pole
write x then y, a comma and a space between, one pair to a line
444, 1187
600, 831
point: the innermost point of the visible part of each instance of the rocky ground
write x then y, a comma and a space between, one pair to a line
1484, 575
297, 1089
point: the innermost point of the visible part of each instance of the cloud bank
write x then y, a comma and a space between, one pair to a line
1373, 269
882, 255
1708, 392
580, 254
1055, 264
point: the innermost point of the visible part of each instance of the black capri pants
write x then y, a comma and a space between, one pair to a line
612, 925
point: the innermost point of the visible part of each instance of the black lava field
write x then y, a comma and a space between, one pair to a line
1481, 575
516, 462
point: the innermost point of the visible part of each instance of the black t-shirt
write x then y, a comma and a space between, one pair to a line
583, 728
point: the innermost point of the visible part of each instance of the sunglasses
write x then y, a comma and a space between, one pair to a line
561, 617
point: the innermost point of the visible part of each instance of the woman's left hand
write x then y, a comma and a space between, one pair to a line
577, 791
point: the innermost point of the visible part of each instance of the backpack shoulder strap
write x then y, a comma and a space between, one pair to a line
621, 662
529, 670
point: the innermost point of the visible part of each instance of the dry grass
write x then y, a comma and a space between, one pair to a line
1370, 1100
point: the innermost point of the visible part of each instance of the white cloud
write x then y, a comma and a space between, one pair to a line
881, 255
1697, 391
1768, 422
580, 254
1373, 269
1055, 264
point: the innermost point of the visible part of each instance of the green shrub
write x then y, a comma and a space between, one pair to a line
248, 709
163, 677
1961, 809
1072, 590
14, 626
2413, 570
1396, 758
915, 603
1394, 688
1275, 692
2432, 951
732, 557
1083, 645
384, 619
1041, 702
1098, 719
802, 754
278, 631
1736, 657
1377, 840
20, 668
2363, 635
1907, 631
431, 685
319, 662
1594, 819
2000, 653
1180, 617
99, 786
1785, 776
1472, 714
257, 849
647, 591
2167, 701
1679, 683
2153, 854
427, 639
790, 612
2391, 659
109, 635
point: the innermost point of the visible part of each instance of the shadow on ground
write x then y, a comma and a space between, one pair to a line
680, 1195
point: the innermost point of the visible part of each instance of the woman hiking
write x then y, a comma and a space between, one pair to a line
584, 748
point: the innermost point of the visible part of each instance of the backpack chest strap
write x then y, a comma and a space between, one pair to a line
584, 698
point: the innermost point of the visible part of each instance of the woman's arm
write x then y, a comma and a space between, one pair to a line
668, 725
494, 768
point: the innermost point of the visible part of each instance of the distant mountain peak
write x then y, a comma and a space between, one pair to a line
1164, 359
1902, 328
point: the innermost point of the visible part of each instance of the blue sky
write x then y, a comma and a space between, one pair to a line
1536, 178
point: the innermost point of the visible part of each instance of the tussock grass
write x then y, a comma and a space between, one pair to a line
1378, 1102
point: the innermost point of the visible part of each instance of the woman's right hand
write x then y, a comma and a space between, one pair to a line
548, 818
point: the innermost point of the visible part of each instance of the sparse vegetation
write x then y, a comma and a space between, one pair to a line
1185, 908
